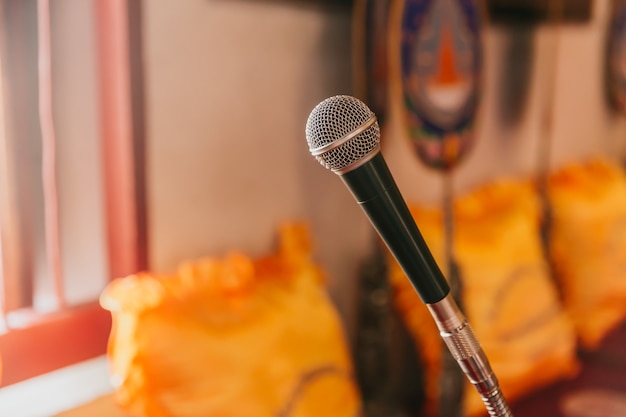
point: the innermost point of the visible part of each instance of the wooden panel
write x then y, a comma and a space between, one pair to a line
122, 190
535, 11
52, 341
46, 342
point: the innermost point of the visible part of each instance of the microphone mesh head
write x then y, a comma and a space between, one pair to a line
334, 119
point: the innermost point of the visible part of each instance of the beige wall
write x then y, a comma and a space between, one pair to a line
229, 87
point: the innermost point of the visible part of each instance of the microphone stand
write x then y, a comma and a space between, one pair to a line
452, 381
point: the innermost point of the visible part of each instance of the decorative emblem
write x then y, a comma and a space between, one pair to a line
441, 56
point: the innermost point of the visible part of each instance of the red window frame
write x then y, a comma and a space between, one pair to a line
54, 340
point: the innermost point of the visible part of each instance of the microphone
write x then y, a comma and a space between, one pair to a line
344, 136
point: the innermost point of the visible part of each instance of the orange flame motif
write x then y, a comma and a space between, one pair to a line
447, 74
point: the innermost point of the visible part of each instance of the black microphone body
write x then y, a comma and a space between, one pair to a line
374, 188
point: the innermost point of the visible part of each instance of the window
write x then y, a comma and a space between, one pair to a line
72, 206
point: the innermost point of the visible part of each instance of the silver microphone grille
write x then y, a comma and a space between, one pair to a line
342, 132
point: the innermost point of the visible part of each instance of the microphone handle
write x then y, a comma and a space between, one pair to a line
374, 188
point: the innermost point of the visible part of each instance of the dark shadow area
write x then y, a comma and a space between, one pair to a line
515, 76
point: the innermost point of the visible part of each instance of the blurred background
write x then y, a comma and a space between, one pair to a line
137, 135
